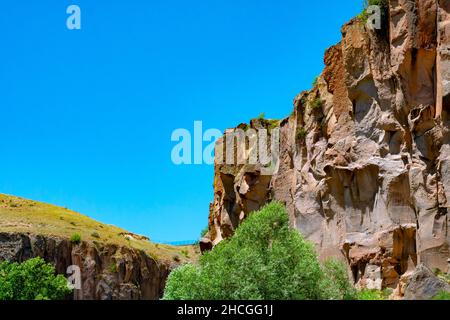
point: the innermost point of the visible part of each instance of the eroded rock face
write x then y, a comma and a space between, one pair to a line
108, 272
364, 165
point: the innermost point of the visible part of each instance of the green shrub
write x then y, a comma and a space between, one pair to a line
113, 267
262, 115
380, 3
442, 275
316, 103
341, 288
371, 294
272, 124
383, 4
443, 295
182, 283
75, 238
33, 279
265, 259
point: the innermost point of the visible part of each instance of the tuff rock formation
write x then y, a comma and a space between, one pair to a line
364, 166
108, 272
424, 284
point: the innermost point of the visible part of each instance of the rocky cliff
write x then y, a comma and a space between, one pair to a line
114, 264
107, 271
364, 166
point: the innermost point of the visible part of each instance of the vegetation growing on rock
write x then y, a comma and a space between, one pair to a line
371, 294
383, 4
75, 238
301, 133
316, 103
443, 295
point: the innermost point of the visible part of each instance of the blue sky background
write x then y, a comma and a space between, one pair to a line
87, 115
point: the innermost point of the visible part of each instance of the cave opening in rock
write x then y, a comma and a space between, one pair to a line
404, 250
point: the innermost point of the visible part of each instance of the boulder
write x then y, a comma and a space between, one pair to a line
424, 285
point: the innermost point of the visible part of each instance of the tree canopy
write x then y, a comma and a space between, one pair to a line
33, 279
265, 259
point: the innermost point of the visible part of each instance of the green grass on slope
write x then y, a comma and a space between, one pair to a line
27, 216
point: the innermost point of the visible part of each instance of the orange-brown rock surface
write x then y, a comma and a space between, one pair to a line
364, 165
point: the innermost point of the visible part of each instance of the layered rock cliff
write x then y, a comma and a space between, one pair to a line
108, 272
364, 166
113, 264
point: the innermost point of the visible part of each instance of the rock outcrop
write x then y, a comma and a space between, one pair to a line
108, 272
424, 285
364, 166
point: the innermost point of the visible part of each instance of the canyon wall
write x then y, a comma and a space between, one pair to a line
108, 272
364, 167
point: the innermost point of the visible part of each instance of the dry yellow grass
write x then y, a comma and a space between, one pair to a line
27, 216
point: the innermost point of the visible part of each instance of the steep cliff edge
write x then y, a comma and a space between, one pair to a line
364, 167
113, 263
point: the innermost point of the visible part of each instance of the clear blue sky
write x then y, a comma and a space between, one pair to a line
87, 115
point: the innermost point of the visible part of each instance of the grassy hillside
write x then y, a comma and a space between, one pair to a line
27, 216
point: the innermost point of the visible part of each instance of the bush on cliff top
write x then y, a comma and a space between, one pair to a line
75, 238
383, 4
265, 259
33, 279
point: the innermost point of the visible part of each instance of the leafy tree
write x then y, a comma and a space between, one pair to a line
265, 259
181, 284
340, 286
33, 279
